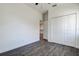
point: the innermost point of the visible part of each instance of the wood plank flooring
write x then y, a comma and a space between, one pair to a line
43, 48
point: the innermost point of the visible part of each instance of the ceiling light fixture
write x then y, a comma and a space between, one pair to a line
36, 3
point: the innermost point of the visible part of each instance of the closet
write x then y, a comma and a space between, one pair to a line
63, 25
63, 29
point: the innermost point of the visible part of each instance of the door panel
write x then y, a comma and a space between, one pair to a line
70, 22
63, 29
57, 30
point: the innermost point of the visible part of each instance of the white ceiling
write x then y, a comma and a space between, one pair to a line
42, 7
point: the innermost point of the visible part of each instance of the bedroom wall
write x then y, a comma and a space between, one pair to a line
19, 25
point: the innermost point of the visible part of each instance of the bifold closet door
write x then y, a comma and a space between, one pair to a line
63, 29
70, 30
57, 30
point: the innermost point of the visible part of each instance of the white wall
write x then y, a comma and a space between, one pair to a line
60, 10
19, 25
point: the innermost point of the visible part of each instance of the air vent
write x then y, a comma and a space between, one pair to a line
54, 5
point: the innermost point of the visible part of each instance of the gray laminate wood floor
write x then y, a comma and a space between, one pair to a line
43, 49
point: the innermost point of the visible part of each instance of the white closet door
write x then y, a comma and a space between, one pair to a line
63, 29
69, 25
57, 30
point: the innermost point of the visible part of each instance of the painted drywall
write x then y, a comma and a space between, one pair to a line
60, 10
19, 25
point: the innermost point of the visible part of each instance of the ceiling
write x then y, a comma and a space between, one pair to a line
42, 7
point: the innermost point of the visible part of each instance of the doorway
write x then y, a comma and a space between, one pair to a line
44, 27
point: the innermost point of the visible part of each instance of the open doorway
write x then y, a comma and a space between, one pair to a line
44, 27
